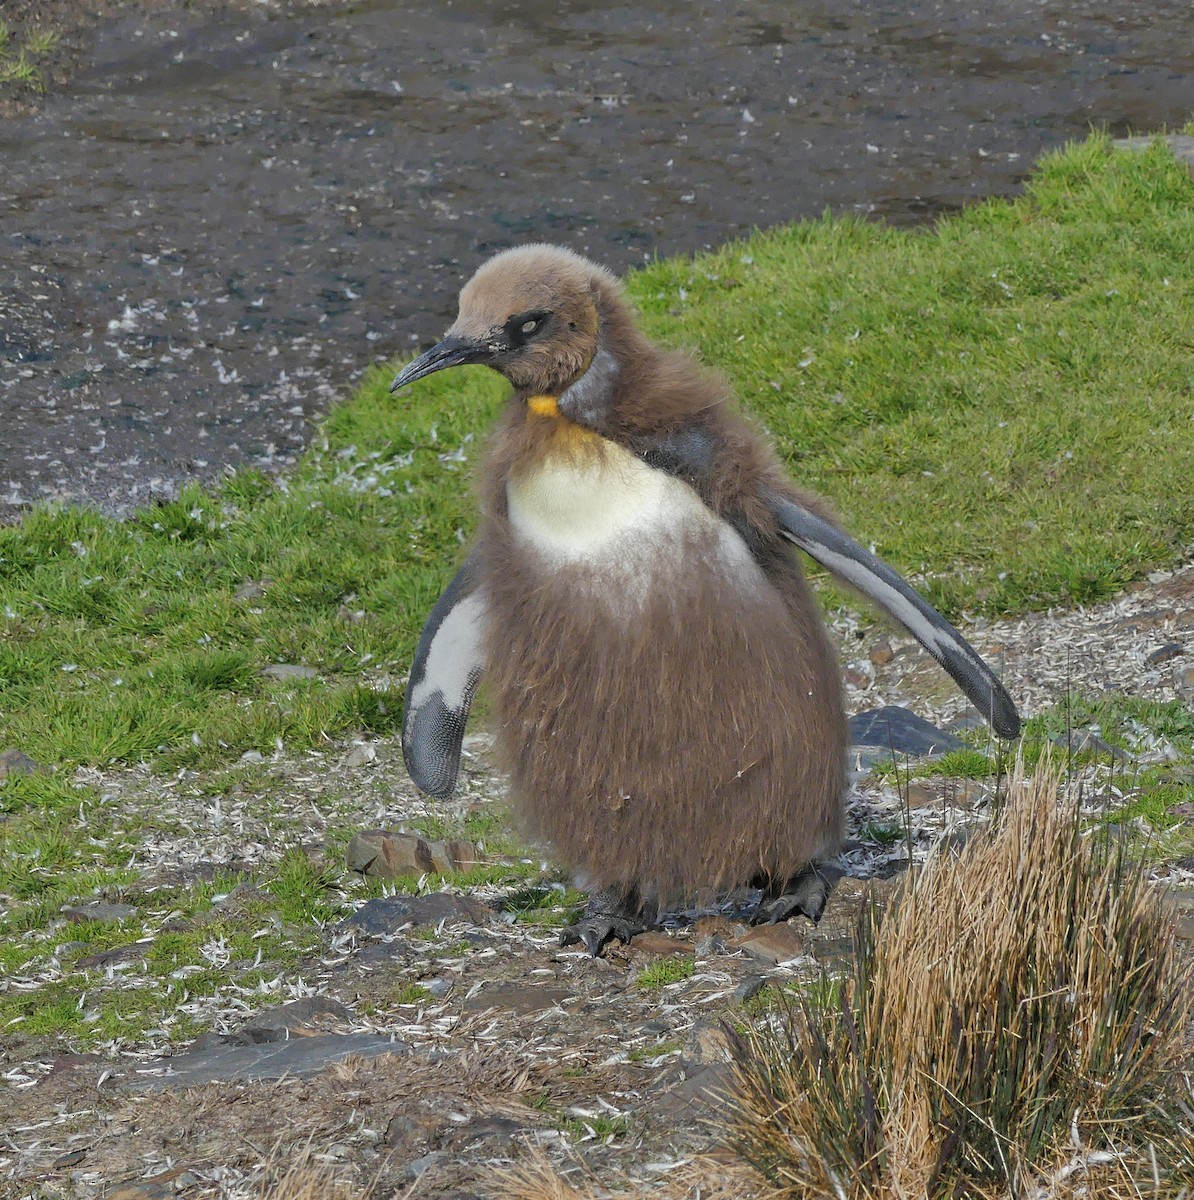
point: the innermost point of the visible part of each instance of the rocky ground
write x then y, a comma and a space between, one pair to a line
433, 1037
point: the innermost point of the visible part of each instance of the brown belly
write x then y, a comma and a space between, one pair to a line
680, 732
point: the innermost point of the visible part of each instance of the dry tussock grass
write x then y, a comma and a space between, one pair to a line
1013, 1027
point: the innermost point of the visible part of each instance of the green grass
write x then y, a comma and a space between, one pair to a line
19, 56
672, 969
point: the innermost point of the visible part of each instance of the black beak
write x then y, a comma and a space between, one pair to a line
453, 351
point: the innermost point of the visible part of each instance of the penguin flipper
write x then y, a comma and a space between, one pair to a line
838, 552
448, 663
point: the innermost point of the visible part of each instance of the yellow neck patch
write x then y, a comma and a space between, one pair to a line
544, 406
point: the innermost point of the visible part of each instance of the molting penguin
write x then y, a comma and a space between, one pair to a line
666, 696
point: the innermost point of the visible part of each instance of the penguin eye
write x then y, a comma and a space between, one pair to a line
525, 325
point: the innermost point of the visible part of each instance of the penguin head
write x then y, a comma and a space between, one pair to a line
532, 314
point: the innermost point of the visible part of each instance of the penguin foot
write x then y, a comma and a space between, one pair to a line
609, 914
805, 895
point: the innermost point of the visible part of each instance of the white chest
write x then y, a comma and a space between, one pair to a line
607, 507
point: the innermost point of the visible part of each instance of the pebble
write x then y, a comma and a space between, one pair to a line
361, 756
750, 987
389, 914
772, 943
17, 762
98, 911
881, 652
1183, 683
288, 671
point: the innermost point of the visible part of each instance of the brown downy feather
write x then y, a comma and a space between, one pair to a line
701, 740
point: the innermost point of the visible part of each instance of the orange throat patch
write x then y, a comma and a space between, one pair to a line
544, 406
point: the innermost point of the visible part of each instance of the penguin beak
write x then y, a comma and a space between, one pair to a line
453, 351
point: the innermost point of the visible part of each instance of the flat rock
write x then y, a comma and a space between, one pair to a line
700, 1095
388, 855
1080, 741
518, 999
390, 914
656, 942
881, 652
772, 943
922, 794
1183, 682
878, 733
1181, 906
361, 756
269, 1060
97, 910
1164, 654
288, 671
17, 762
116, 955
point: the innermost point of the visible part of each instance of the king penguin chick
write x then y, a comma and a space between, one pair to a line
667, 700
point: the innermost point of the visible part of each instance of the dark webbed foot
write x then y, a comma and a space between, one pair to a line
805, 894
613, 913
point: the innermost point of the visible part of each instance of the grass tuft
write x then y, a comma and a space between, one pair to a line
1013, 1022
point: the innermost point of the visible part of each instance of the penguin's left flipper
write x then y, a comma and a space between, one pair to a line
610, 914
447, 667
838, 552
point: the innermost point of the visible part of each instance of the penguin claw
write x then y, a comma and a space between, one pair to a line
805, 896
596, 929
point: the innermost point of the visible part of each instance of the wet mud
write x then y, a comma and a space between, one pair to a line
226, 214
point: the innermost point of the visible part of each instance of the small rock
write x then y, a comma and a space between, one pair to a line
68, 1160
437, 988
922, 794
1079, 741
118, 954
881, 653
98, 911
288, 671
1164, 654
387, 855
772, 943
295, 1018
1183, 683
253, 590
361, 756
17, 762
501, 1134
413, 1170
878, 733
859, 679
709, 946
749, 988
1181, 905
252, 756
390, 914
707, 1043
655, 941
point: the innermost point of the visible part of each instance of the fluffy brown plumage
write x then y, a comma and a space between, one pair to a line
666, 696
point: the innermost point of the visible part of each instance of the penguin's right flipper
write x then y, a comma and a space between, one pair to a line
448, 663
832, 548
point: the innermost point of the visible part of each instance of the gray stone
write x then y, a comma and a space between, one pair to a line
501, 1134
115, 956
1083, 741
17, 762
879, 733
1183, 682
253, 590
256, 1061
97, 910
286, 671
749, 988
361, 756
413, 1170
390, 914
1164, 654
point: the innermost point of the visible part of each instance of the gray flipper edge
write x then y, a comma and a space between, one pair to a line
839, 553
447, 667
